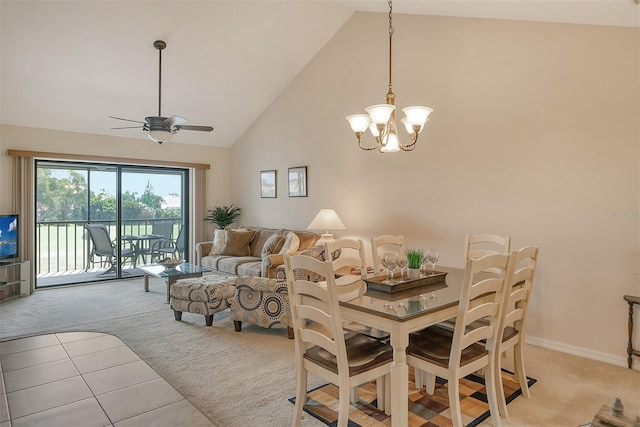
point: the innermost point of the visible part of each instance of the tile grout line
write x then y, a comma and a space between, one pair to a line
4, 395
83, 378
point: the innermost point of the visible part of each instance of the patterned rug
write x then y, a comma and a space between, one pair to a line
424, 410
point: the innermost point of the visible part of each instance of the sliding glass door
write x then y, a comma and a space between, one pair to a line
100, 221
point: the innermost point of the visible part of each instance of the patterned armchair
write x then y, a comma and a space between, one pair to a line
265, 302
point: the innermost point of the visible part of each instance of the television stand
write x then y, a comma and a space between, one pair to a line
14, 279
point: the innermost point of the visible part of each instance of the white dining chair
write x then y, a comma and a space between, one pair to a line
475, 246
386, 243
453, 354
321, 345
352, 259
513, 332
479, 245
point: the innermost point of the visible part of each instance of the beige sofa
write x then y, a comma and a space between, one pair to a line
259, 257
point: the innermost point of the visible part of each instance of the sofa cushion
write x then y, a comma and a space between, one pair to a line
252, 269
211, 261
262, 236
219, 240
291, 244
272, 245
230, 264
238, 243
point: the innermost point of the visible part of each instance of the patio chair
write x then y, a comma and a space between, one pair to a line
164, 248
105, 249
162, 228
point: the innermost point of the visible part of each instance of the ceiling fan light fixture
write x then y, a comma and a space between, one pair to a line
160, 136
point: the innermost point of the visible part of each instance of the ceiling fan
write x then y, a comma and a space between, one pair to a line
160, 128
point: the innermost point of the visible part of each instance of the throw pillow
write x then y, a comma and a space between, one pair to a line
291, 244
262, 235
219, 240
272, 245
238, 243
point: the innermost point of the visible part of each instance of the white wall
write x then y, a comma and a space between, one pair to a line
33, 139
535, 134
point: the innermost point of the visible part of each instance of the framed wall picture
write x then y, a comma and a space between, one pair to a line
298, 181
268, 184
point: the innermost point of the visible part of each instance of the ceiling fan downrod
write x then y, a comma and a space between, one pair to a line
160, 45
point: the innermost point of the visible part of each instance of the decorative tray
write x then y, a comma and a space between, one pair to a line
380, 283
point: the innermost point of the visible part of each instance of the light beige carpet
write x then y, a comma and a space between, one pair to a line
244, 379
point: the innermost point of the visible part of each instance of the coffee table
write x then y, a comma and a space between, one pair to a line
181, 271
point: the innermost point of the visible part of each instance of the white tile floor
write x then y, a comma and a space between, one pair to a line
85, 379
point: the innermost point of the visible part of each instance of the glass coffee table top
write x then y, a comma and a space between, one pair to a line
180, 270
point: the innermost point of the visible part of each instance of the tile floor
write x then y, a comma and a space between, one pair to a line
85, 379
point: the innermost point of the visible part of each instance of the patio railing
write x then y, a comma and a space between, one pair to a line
64, 246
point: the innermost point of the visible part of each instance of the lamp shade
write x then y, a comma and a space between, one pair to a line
327, 219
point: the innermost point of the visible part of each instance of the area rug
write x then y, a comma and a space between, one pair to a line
424, 410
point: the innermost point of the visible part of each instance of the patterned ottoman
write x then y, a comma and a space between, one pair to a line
263, 302
204, 295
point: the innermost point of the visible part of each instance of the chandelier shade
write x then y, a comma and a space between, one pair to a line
359, 122
381, 119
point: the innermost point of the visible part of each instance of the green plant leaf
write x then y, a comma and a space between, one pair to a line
223, 216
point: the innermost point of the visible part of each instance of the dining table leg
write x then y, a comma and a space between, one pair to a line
399, 378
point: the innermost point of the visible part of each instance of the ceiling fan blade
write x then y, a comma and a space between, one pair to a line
194, 127
126, 120
129, 127
174, 121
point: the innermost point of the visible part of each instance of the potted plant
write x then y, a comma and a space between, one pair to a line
223, 216
415, 258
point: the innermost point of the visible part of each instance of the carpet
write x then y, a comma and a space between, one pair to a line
424, 410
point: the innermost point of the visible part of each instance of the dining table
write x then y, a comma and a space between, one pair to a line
401, 312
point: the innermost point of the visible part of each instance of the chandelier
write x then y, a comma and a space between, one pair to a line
381, 118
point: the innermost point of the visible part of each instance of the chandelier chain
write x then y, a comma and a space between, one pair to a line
390, 18
390, 43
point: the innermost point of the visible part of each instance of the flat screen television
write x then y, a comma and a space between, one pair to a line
8, 237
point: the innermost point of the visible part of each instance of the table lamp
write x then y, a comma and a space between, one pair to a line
327, 219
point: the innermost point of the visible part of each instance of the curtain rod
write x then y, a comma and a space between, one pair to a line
105, 159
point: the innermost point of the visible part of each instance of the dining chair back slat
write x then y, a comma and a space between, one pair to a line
480, 245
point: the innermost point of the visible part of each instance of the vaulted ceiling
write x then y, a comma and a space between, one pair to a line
70, 65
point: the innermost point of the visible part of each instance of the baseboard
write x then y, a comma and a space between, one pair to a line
582, 352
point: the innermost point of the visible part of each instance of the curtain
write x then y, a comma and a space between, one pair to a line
23, 203
199, 198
